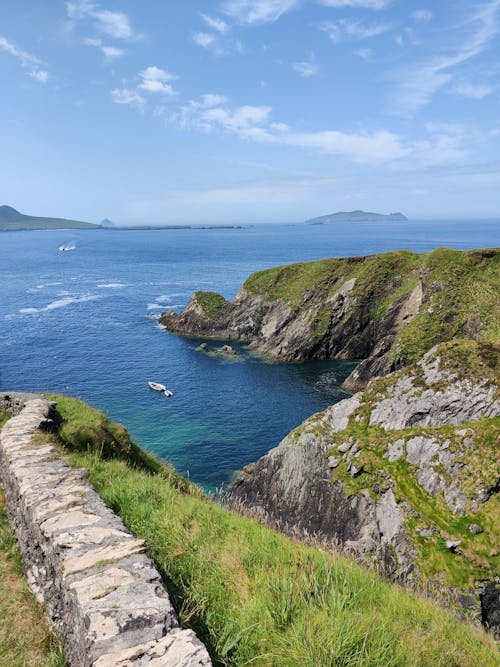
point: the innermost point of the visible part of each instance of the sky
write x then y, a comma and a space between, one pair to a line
234, 111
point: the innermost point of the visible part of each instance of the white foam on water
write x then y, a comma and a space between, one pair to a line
111, 286
60, 303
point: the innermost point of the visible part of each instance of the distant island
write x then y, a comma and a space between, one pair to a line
12, 220
356, 216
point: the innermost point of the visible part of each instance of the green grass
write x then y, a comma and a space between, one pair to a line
461, 296
211, 303
25, 638
479, 557
255, 596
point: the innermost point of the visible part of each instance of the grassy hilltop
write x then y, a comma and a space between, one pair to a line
387, 309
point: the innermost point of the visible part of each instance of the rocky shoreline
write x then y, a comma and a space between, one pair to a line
386, 310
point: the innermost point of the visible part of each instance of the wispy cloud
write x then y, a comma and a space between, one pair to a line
129, 97
422, 15
441, 144
358, 4
215, 23
115, 24
306, 68
254, 12
205, 39
365, 54
155, 80
475, 91
30, 63
109, 52
348, 28
420, 82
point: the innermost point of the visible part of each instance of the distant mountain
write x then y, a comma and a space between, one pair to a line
107, 223
12, 220
355, 216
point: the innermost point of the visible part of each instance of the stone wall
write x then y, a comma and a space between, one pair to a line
101, 591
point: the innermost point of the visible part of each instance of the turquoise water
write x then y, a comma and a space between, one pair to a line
80, 322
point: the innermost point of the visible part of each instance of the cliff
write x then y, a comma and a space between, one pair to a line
356, 216
405, 474
386, 309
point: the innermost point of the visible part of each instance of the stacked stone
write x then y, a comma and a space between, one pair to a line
100, 590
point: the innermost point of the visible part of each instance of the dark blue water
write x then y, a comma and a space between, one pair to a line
80, 322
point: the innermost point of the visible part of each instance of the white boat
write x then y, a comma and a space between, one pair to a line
161, 388
66, 246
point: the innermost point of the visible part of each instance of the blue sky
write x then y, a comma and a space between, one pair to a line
250, 110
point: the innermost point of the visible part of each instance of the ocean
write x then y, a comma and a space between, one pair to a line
82, 322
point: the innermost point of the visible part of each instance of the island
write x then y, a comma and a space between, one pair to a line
12, 220
356, 216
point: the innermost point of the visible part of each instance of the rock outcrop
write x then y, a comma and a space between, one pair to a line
387, 310
100, 590
405, 474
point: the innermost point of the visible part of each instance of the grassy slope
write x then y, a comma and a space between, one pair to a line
253, 595
25, 639
462, 287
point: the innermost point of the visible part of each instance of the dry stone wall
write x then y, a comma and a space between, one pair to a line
101, 591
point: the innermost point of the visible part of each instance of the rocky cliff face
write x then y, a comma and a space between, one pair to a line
405, 473
386, 309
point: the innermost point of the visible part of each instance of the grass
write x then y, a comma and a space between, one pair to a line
253, 595
25, 638
211, 303
461, 297
475, 445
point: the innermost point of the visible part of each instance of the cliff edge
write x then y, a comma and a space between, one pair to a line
387, 309
405, 474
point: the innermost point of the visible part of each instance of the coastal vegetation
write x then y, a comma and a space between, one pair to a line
252, 594
386, 309
25, 638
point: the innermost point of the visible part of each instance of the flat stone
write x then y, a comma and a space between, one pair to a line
103, 555
333, 461
68, 520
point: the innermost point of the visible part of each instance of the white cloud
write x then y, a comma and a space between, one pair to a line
358, 4
155, 80
253, 12
420, 82
475, 91
215, 23
213, 100
422, 15
128, 96
112, 23
246, 121
306, 68
204, 39
30, 63
337, 30
442, 143
109, 52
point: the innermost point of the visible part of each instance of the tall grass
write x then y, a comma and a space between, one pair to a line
255, 596
25, 638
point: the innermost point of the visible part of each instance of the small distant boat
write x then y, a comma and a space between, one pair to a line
161, 388
66, 246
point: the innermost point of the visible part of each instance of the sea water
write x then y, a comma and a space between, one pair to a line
82, 322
